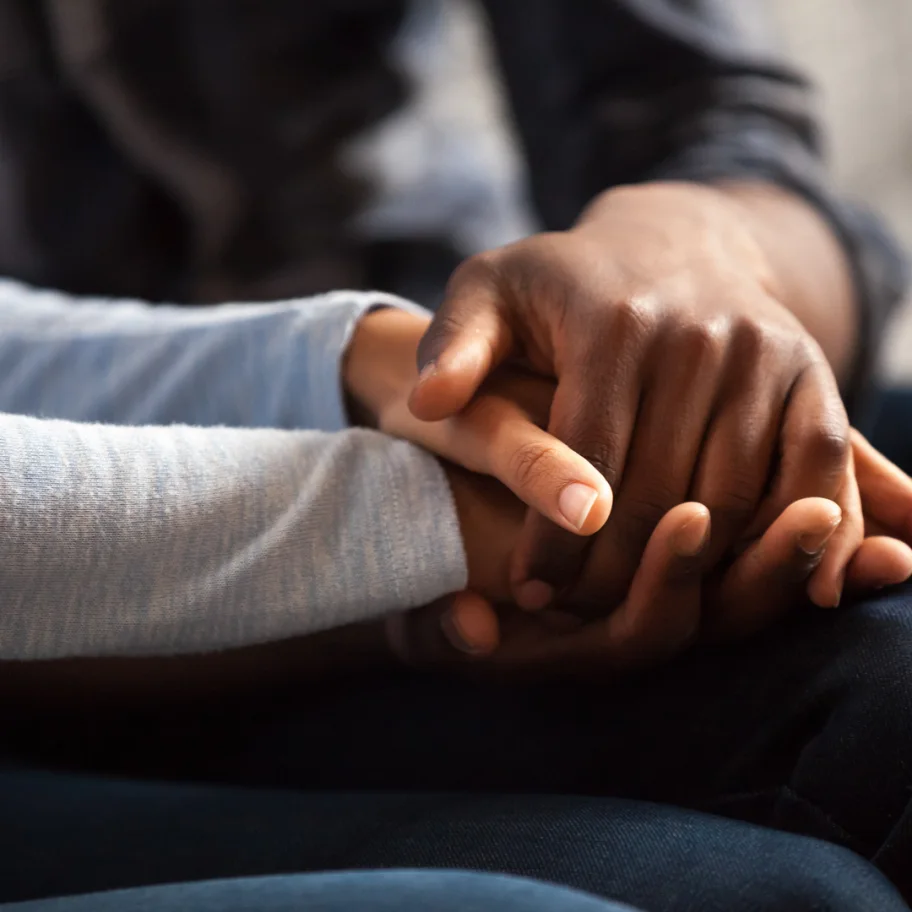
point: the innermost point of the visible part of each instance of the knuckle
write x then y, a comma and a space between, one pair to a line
446, 325
602, 452
808, 351
634, 317
752, 339
702, 342
476, 268
828, 444
736, 505
640, 516
530, 464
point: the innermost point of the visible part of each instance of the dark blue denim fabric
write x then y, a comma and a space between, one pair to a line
65, 834
384, 891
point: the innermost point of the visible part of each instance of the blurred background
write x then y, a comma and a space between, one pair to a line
858, 53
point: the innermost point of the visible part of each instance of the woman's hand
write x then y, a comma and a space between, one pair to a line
498, 434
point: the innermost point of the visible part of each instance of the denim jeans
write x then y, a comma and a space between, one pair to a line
66, 834
694, 787
393, 891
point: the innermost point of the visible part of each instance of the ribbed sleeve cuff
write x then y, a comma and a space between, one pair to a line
327, 326
419, 553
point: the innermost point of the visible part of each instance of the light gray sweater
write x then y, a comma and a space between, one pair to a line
177, 480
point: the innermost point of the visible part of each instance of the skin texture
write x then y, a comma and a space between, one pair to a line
674, 597
697, 335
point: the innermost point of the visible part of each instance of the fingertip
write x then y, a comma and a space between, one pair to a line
575, 503
812, 541
881, 561
431, 400
533, 595
692, 535
471, 626
826, 592
601, 507
427, 373
446, 384
819, 510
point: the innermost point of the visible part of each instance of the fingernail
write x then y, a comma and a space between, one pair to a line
812, 543
691, 538
840, 585
576, 502
457, 636
427, 371
534, 595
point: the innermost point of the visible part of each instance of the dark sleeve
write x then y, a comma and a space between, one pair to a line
607, 93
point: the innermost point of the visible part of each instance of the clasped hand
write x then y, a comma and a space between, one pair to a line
677, 593
642, 365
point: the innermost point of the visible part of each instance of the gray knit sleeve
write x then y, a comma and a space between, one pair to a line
169, 538
160, 540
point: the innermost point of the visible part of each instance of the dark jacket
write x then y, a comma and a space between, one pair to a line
189, 148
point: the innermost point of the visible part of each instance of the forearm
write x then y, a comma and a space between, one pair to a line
152, 541
125, 362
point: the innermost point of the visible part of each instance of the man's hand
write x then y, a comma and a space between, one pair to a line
670, 603
682, 375
669, 606
507, 415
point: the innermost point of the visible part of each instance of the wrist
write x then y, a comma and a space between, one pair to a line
490, 519
703, 215
380, 367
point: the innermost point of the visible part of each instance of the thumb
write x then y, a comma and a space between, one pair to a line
468, 337
880, 561
886, 491
453, 630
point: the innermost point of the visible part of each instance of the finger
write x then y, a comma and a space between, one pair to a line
468, 337
593, 412
879, 562
826, 584
455, 629
813, 446
661, 614
667, 440
771, 576
886, 491
495, 436
737, 457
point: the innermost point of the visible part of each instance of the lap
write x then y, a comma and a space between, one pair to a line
69, 834
807, 729
709, 730
369, 891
